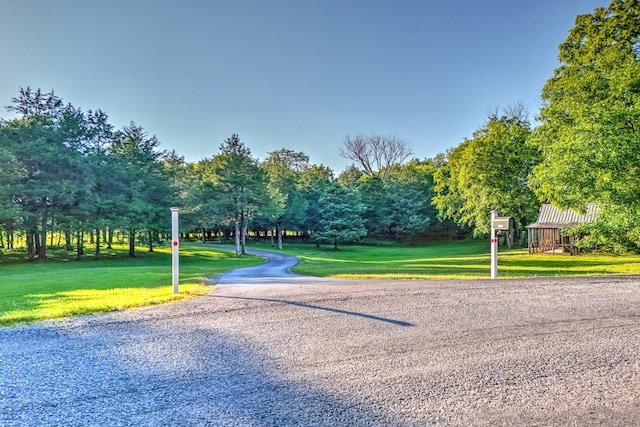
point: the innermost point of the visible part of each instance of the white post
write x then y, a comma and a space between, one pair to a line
175, 242
494, 248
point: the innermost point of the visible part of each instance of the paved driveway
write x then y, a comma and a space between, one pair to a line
337, 352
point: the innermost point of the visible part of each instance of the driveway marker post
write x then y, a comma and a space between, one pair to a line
175, 243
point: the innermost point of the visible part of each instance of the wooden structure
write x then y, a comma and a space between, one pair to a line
547, 234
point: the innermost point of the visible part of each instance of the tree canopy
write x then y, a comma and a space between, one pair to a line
589, 134
490, 172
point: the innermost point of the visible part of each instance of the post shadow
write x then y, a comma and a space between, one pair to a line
317, 307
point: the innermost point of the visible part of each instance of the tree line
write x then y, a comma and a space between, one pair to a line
70, 171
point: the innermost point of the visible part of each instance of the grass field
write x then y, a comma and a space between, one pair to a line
469, 259
62, 286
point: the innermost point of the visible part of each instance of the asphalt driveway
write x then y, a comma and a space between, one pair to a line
304, 351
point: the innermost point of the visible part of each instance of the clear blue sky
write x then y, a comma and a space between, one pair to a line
296, 74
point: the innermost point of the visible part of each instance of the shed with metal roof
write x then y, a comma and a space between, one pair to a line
548, 233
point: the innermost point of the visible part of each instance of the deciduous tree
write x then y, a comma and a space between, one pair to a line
590, 120
490, 172
376, 153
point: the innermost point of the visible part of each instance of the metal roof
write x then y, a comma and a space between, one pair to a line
551, 217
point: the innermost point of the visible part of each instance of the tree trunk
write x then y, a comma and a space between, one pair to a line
67, 240
132, 243
335, 244
279, 231
237, 237
41, 244
30, 246
243, 238
151, 236
36, 242
80, 244
52, 233
109, 238
97, 253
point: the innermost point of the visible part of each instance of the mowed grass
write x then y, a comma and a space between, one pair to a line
61, 286
469, 259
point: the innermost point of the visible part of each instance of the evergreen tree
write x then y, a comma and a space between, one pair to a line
240, 187
340, 217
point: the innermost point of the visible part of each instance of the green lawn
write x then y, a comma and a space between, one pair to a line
62, 286
469, 259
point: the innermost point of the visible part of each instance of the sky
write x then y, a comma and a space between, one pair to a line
296, 74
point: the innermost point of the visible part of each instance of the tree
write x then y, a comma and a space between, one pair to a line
12, 175
188, 188
48, 172
590, 130
399, 207
313, 183
42, 144
411, 211
376, 153
66, 170
352, 177
590, 120
283, 168
103, 193
340, 216
147, 195
490, 172
206, 209
31, 103
240, 186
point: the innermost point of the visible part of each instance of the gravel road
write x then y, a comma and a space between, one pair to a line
298, 351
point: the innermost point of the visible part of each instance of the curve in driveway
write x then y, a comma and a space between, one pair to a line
275, 270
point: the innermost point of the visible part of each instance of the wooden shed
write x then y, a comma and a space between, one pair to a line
547, 233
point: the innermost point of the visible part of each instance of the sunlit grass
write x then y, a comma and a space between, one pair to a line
56, 305
61, 286
469, 259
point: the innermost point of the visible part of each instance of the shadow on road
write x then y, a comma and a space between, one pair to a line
170, 368
333, 310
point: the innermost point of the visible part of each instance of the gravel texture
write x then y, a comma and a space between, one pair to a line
299, 351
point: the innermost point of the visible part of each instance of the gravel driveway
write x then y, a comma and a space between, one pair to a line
301, 351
